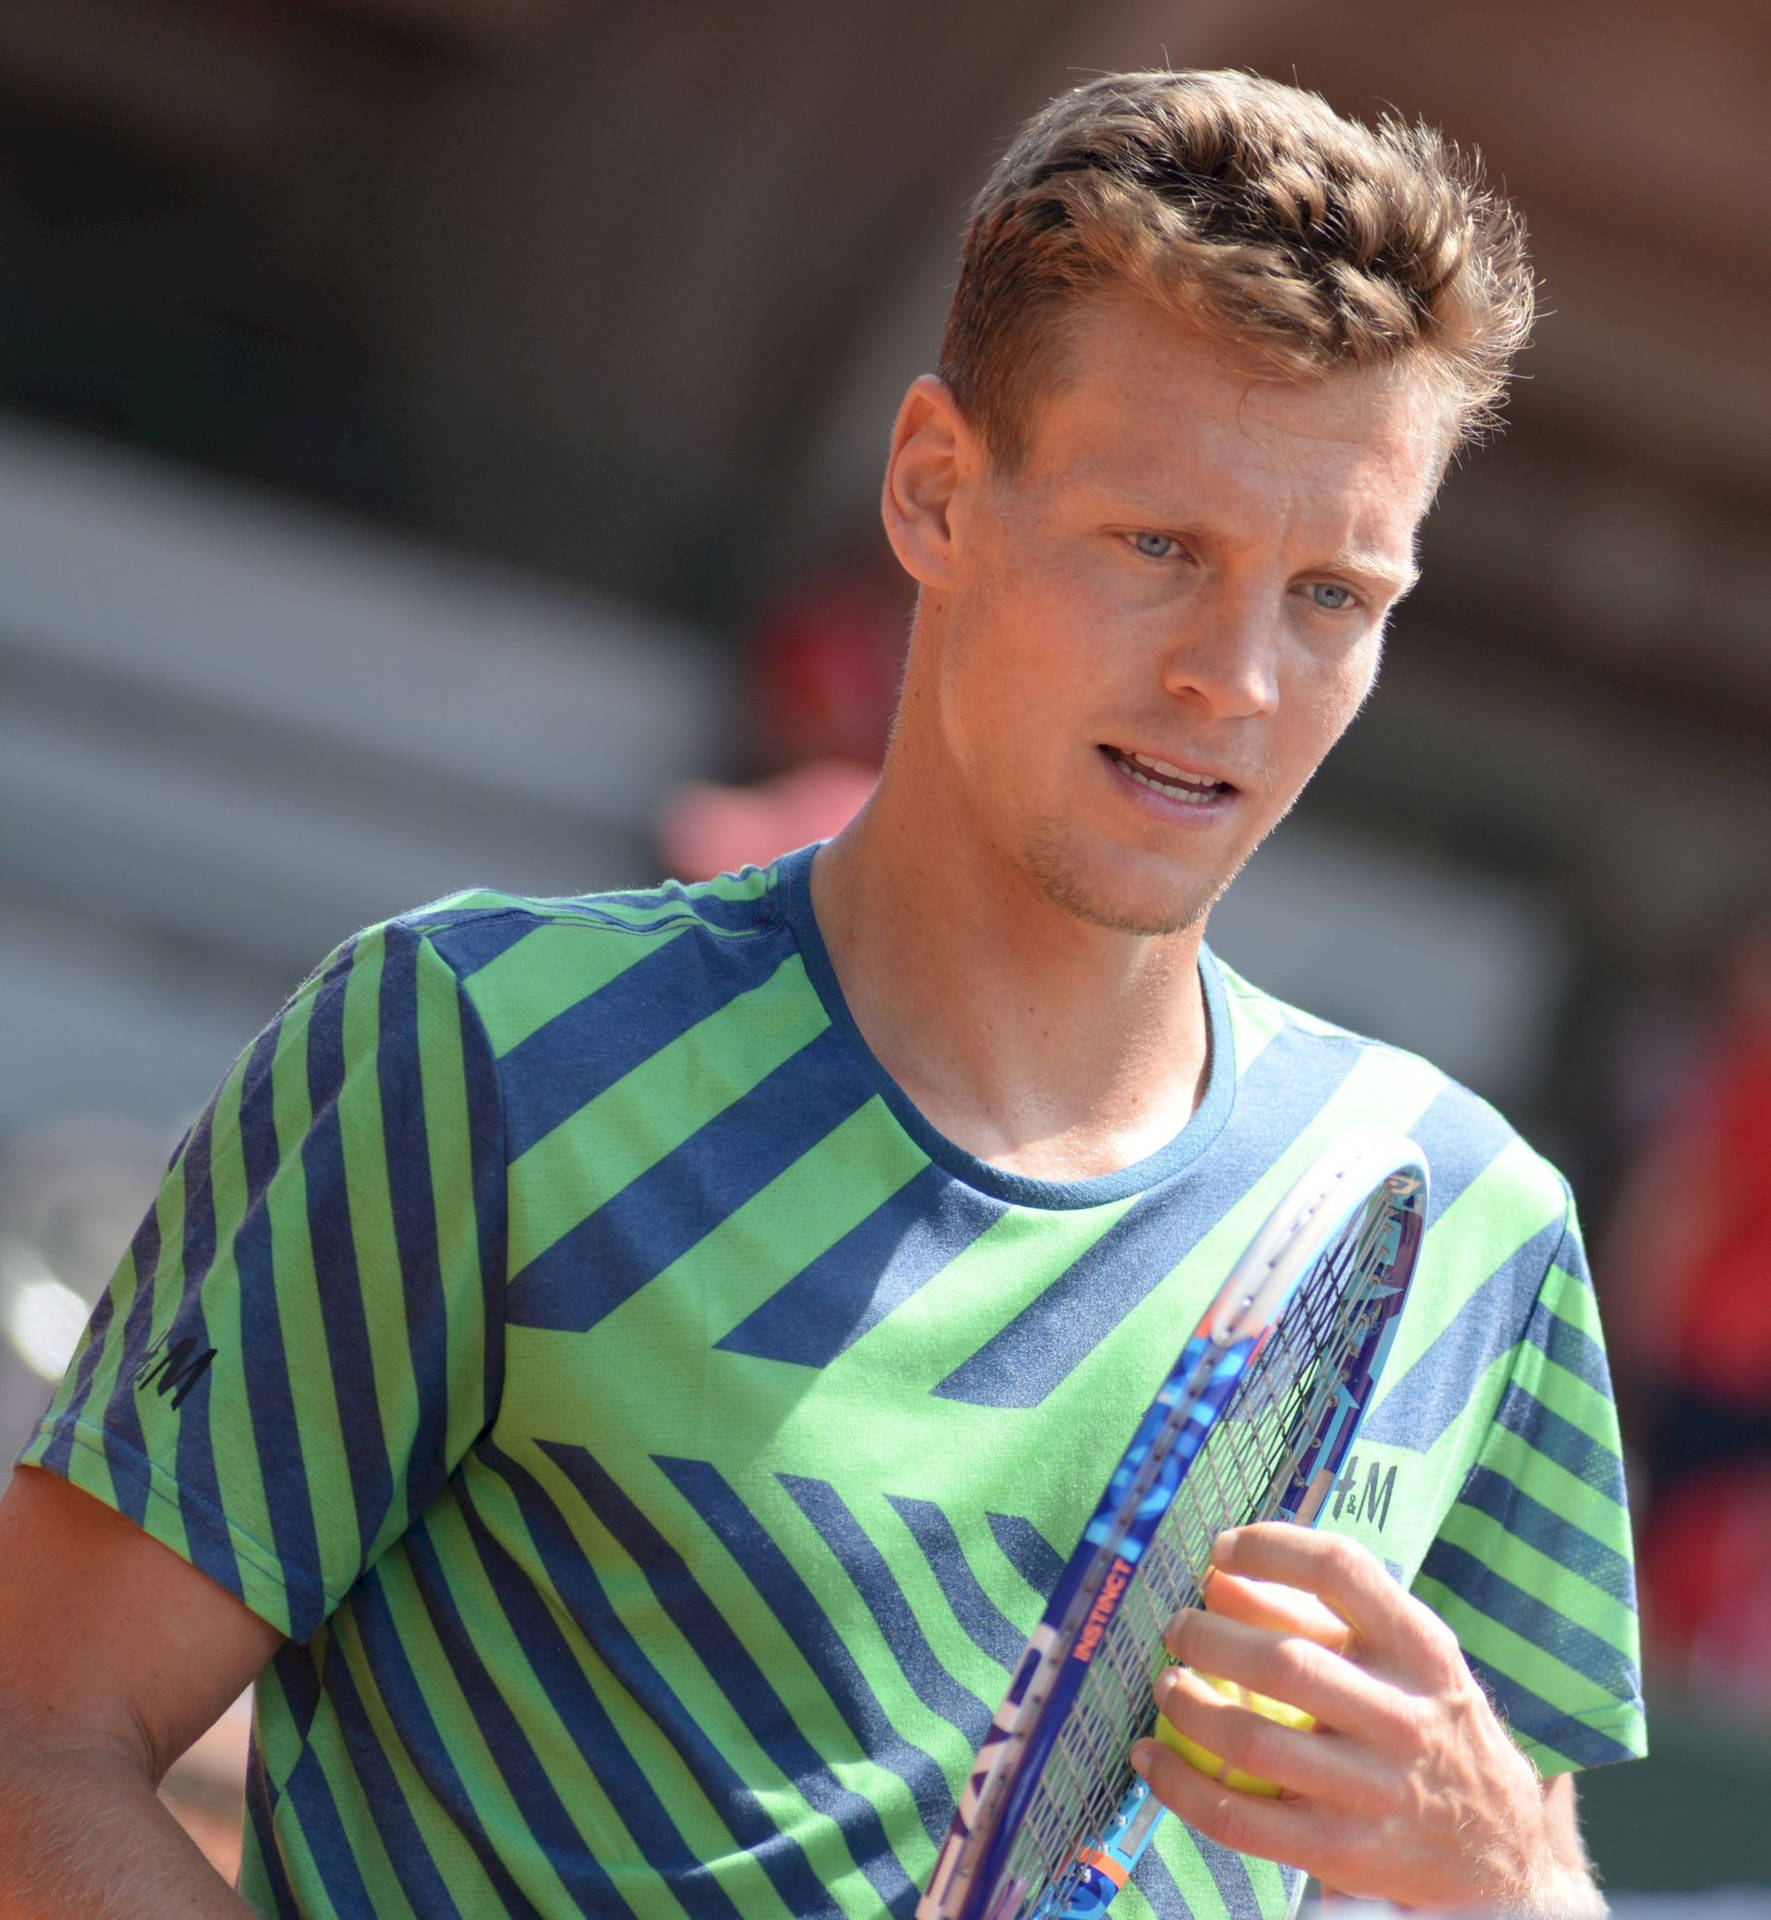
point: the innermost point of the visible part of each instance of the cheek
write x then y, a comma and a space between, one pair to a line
1011, 693
1325, 698
984, 683
1021, 631
1027, 563
1352, 679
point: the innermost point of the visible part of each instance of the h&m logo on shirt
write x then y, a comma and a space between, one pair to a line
173, 1367
1369, 1503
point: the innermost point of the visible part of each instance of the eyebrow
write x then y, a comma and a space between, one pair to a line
1368, 566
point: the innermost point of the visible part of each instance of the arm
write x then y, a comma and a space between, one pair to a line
114, 1655
1410, 1789
336, 1215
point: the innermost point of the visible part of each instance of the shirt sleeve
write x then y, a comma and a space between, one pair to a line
1532, 1567
303, 1339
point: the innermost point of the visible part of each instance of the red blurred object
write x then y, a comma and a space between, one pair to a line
1689, 1260
1720, 1305
1690, 1269
825, 666
1706, 1576
707, 829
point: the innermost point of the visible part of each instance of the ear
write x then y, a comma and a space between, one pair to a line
934, 453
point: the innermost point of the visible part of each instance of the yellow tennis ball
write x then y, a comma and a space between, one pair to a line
1214, 1766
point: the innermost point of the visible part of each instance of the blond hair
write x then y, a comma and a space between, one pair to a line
1252, 210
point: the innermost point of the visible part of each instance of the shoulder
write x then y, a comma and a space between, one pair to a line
1489, 1182
479, 925
482, 931
518, 963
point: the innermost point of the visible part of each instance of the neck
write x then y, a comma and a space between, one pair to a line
1039, 1042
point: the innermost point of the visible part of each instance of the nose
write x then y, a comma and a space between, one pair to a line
1224, 653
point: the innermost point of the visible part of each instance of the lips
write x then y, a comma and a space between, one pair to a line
1165, 778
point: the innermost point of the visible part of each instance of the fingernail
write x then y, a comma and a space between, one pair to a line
1140, 1759
1223, 1543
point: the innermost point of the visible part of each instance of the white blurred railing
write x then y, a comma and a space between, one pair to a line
232, 729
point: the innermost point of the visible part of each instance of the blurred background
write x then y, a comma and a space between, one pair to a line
438, 445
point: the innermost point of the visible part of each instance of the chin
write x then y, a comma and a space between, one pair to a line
1105, 894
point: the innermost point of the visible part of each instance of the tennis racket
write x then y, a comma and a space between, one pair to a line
1252, 1423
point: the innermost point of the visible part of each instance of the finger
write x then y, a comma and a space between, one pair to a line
1346, 1577
1294, 1669
1286, 1830
1281, 1609
1393, 1633
1305, 1762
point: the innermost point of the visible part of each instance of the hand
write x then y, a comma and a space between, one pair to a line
1409, 1789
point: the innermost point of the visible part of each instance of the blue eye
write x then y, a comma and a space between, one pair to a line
1329, 597
1153, 546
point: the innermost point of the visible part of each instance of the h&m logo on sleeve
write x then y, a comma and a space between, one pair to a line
173, 1367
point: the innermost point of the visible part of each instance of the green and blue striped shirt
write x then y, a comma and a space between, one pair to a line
656, 1441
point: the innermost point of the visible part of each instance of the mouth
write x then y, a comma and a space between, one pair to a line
1165, 778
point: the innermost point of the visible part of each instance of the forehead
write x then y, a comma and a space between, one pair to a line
1142, 401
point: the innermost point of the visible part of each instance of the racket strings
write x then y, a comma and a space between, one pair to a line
1248, 1469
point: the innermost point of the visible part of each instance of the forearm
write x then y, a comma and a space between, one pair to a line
83, 1836
1562, 1887
1567, 1895
1565, 1890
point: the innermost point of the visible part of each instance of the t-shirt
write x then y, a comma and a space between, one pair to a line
657, 1441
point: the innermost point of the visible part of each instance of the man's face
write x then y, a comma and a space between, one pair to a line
1160, 623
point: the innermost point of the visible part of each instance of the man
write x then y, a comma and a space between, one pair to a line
632, 1366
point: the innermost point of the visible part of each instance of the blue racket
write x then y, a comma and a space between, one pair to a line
1252, 1423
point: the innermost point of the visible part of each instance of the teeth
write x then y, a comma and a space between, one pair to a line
1162, 767
1194, 796
1168, 778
